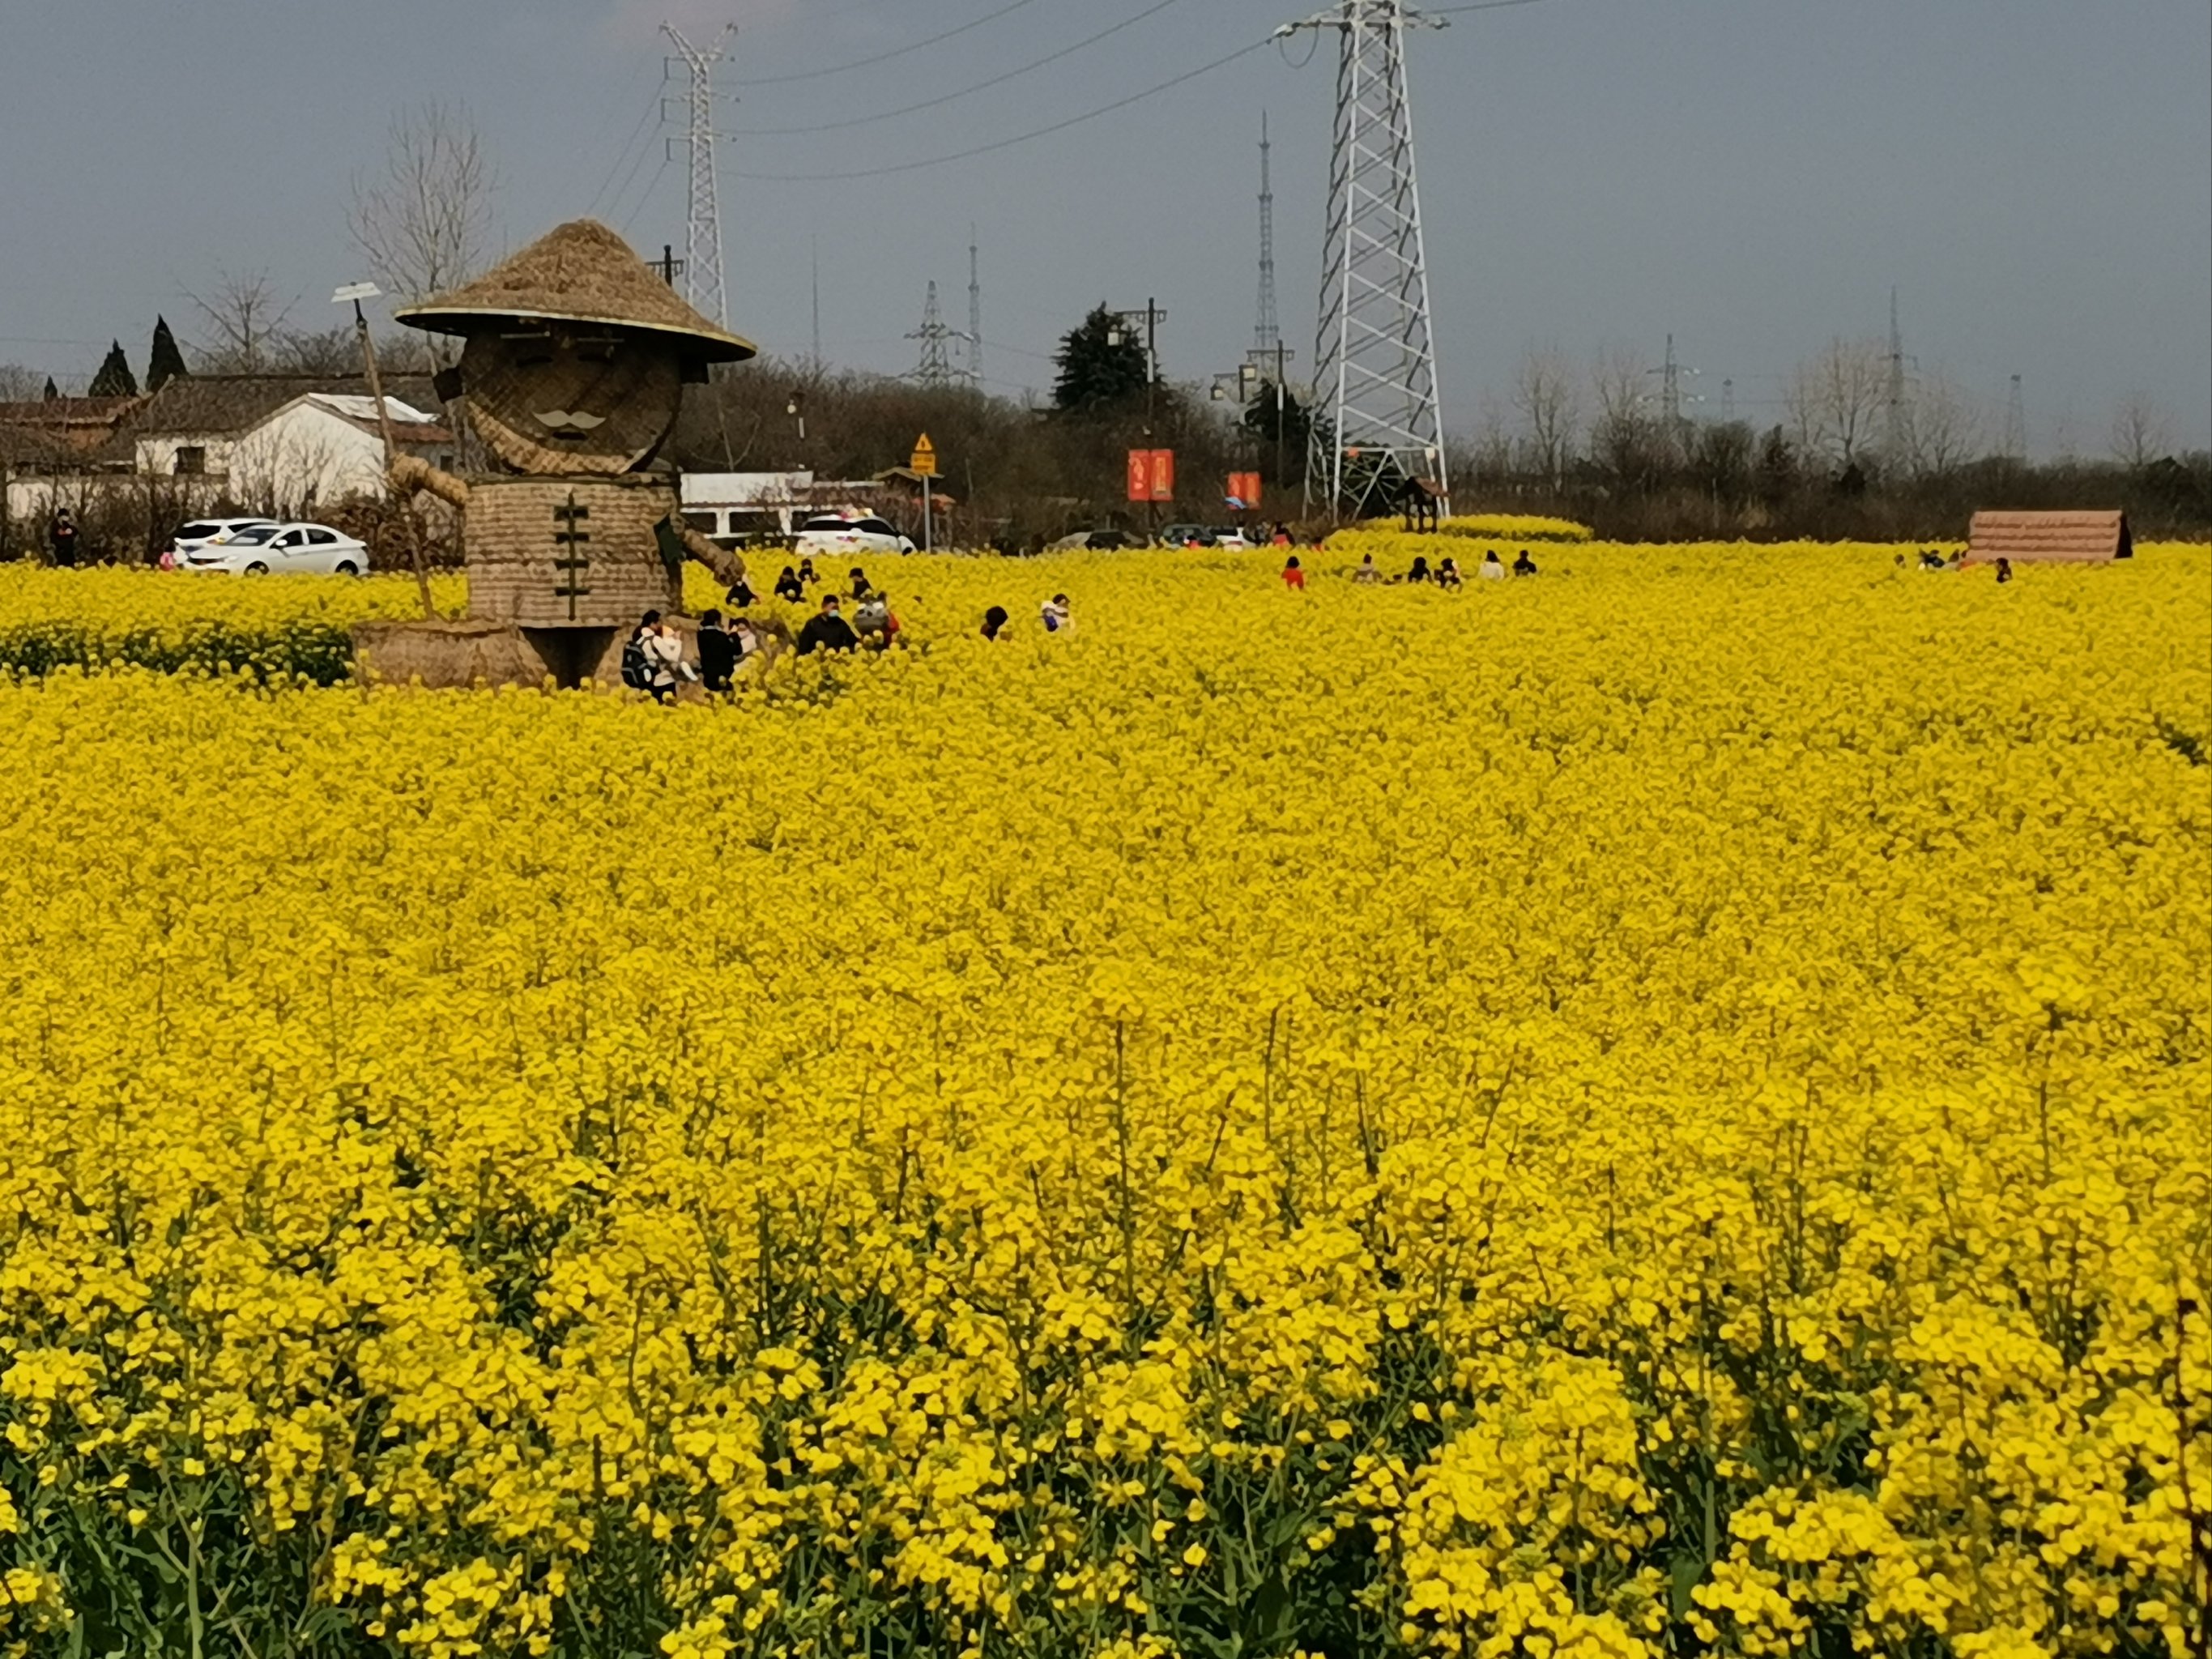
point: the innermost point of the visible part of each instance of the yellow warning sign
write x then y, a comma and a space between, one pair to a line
925, 457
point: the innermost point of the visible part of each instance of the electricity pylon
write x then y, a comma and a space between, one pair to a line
703, 266
1266, 332
975, 313
1378, 421
935, 368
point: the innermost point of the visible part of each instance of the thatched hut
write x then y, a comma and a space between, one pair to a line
2050, 538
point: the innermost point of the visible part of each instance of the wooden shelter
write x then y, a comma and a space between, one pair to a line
2050, 538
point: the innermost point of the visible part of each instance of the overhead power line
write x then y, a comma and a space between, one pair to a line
1152, 10
1019, 138
881, 56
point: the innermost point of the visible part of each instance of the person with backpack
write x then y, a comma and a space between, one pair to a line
871, 617
653, 659
1055, 617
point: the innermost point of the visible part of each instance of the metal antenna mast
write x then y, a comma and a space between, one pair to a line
974, 312
817, 301
1893, 431
703, 266
1267, 332
2015, 426
1375, 378
935, 368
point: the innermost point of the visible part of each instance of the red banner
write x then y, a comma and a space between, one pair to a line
1244, 490
1151, 475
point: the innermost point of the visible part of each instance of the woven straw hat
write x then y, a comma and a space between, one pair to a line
580, 273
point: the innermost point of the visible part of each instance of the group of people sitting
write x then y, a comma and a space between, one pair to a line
653, 660
1446, 572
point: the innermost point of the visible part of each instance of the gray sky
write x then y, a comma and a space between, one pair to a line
2034, 176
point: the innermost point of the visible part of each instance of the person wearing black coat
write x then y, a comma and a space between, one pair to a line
789, 587
827, 631
718, 653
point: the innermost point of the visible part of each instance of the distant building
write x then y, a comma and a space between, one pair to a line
282, 443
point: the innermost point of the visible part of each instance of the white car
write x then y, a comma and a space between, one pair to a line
269, 548
829, 535
201, 532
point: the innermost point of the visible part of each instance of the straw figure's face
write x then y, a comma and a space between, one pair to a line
555, 398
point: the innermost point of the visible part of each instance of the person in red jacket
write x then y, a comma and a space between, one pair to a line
1292, 576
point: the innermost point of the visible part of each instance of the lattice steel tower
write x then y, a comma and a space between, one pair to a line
1267, 332
702, 269
935, 367
1377, 420
975, 313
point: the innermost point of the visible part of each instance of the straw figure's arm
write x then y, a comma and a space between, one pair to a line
727, 567
409, 473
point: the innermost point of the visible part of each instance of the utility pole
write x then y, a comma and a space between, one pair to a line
818, 303
1375, 356
935, 367
974, 314
2015, 426
703, 265
1728, 401
1151, 317
668, 265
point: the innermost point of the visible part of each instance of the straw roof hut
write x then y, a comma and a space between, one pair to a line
580, 272
2050, 538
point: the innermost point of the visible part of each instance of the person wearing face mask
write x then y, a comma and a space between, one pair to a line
826, 631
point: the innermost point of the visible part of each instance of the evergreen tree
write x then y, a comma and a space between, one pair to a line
53, 393
164, 363
115, 379
1094, 372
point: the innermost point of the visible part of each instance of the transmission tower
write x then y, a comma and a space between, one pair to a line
935, 368
1266, 332
1892, 431
1374, 377
2015, 426
703, 266
1728, 401
974, 312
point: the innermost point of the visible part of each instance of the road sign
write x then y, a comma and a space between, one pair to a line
925, 457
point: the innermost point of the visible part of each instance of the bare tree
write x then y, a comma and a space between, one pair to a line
1943, 428
1836, 400
2141, 431
1546, 393
422, 221
1625, 435
19, 385
244, 316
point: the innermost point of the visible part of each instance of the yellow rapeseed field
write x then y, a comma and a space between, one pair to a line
1657, 1109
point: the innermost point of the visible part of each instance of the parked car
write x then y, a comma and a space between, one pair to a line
201, 532
1183, 535
1232, 536
1106, 541
833, 534
265, 548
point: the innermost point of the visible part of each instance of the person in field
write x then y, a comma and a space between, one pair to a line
827, 630
741, 594
718, 653
1492, 569
652, 661
2004, 570
1294, 577
1448, 572
1282, 535
860, 581
1524, 566
1054, 614
1418, 576
789, 589
61, 536
995, 622
872, 620
1369, 573
806, 576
